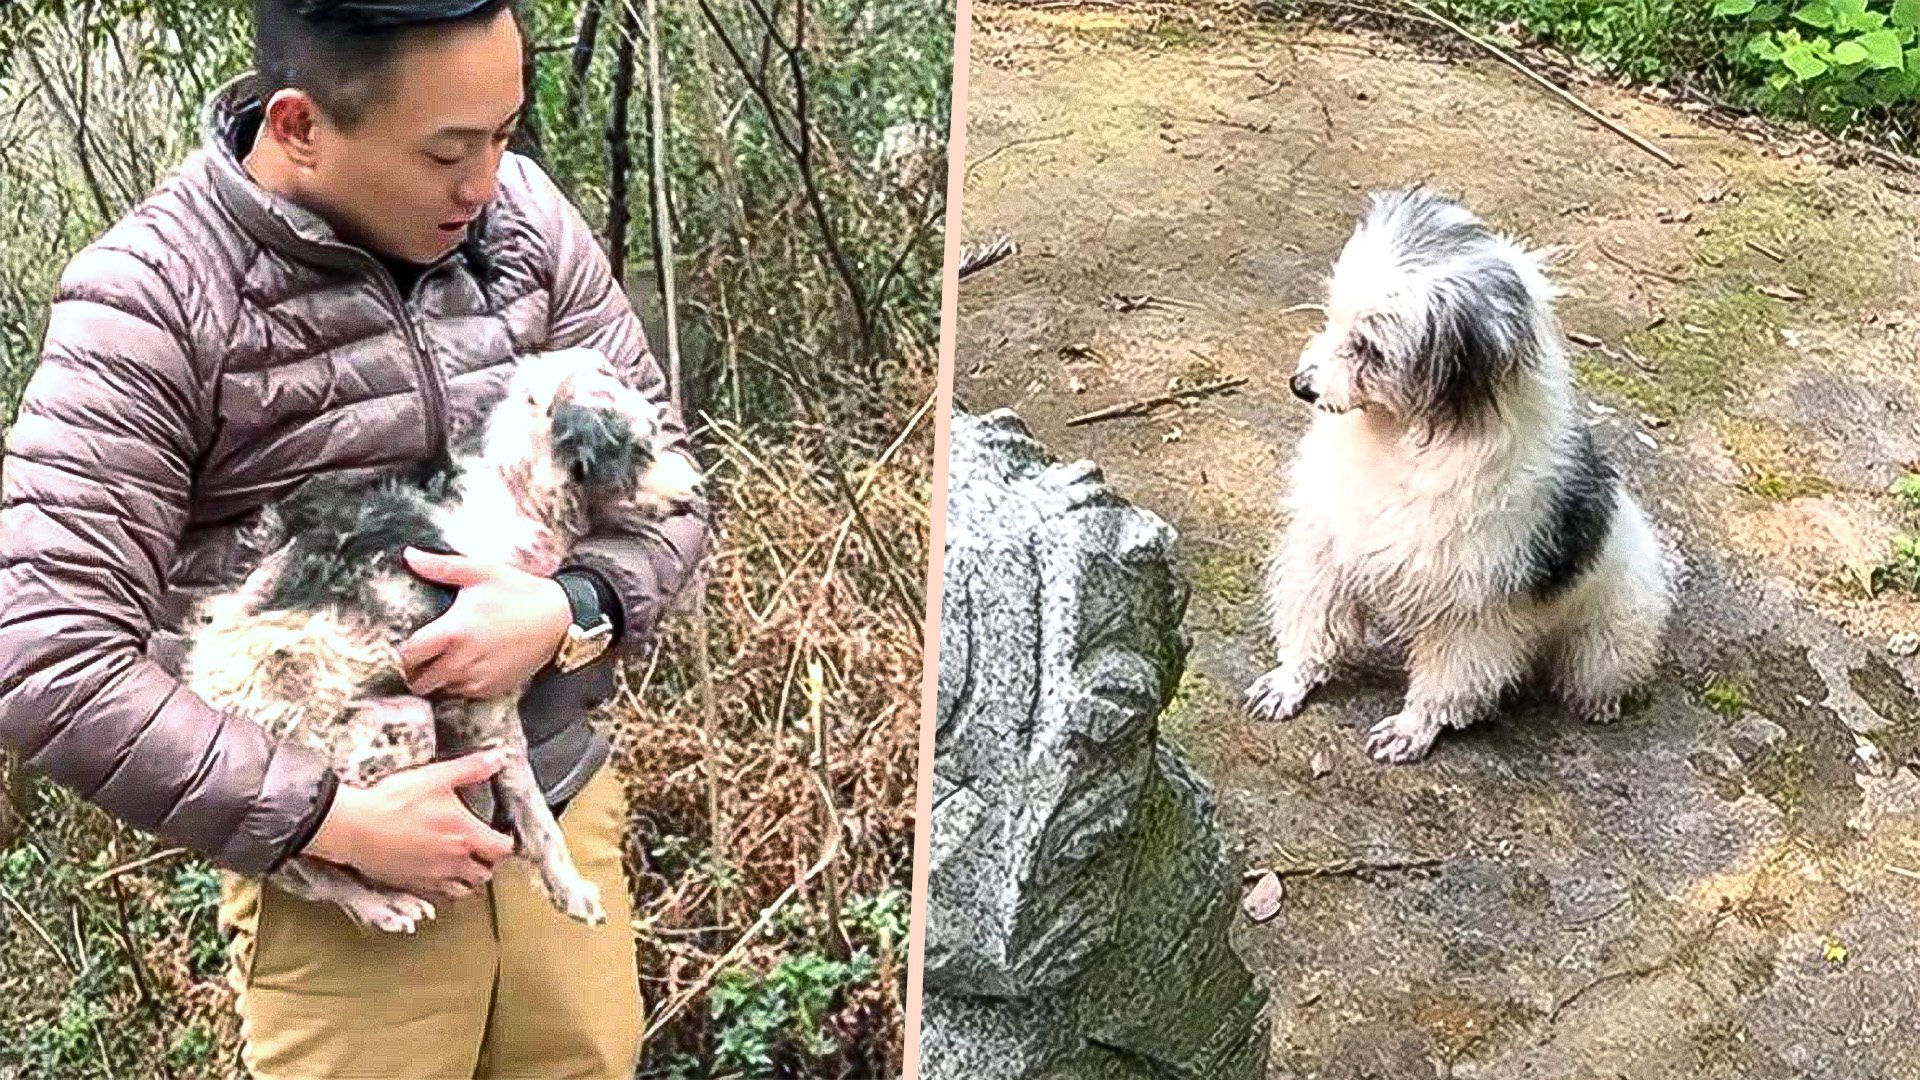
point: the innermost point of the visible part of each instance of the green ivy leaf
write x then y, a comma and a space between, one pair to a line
1882, 49
1847, 12
1764, 47
1734, 7
1849, 52
1906, 13
1819, 13
1806, 66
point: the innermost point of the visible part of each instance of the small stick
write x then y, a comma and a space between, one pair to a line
1767, 251
1904, 872
95, 881
1148, 404
1345, 867
40, 930
1647, 270
1513, 62
974, 260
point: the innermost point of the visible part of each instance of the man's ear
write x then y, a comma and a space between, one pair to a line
292, 120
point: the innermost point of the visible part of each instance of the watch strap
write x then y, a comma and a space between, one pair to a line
583, 598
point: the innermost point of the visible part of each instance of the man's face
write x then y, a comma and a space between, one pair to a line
420, 166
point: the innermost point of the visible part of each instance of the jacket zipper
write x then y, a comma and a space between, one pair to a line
431, 382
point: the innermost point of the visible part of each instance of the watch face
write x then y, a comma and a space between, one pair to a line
584, 646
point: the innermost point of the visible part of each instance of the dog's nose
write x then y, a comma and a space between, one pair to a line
1303, 389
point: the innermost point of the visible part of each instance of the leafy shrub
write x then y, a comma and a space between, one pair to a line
1835, 61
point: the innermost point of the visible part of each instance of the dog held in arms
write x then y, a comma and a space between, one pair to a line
1447, 500
308, 645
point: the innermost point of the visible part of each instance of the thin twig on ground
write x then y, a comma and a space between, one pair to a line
1032, 140
975, 259
1348, 867
1767, 251
1637, 268
1549, 85
1146, 405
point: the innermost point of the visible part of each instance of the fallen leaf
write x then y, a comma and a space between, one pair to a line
1646, 440
1262, 902
1321, 763
1782, 292
1834, 953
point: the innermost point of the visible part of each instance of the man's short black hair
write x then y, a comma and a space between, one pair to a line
341, 52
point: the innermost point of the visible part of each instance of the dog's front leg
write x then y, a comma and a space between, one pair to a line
536, 833
1458, 672
323, 882
1314, 618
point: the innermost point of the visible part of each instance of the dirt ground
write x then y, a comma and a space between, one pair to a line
1720, 886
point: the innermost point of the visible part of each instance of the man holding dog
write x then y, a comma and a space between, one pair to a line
337, 281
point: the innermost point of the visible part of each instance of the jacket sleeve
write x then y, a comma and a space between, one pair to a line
646, 570
94, 491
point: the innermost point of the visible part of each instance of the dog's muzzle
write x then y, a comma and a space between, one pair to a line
1303, 389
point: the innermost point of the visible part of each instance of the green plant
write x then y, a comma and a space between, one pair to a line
1724, 696
1902, 568
772, 1022
1642, 39
1834, 60
1908, 489
882, 918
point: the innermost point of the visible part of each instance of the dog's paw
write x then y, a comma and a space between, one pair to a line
1278, 695
392, 912
1402, 738
581, 903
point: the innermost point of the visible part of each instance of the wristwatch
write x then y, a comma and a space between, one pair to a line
591, 632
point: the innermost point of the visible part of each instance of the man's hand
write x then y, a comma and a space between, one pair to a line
411, 831
505, 625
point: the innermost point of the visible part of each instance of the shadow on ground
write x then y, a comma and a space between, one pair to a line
1720, 886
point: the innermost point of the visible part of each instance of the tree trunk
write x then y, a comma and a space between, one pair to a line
619, 152
584, 41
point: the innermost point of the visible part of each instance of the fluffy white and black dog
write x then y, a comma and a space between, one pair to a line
1447, 499
308, 645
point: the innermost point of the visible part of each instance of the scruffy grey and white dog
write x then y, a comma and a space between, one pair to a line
1447, 499
308, 645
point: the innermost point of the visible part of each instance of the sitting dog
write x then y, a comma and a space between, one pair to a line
308, 645
1447, 499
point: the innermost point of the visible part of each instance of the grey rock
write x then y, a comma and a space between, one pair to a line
1081, 896
1753, 734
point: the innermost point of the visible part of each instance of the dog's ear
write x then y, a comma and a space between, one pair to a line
1477, 336
596, 447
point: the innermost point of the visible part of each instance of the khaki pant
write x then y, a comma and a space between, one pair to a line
498, 985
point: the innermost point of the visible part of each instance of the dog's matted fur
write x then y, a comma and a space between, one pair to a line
308, 645
1446, 498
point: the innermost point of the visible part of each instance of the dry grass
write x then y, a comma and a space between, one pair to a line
797, 583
